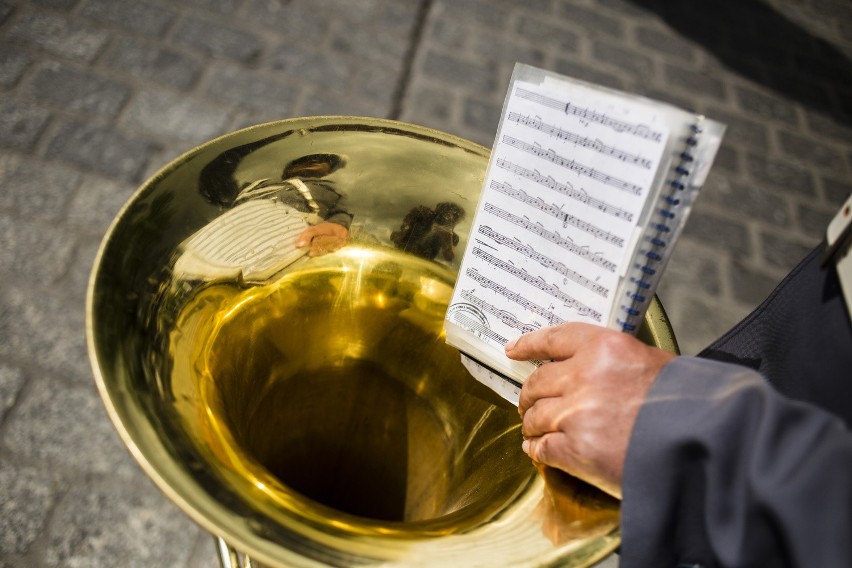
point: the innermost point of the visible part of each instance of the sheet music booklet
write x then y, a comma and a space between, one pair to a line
586, 191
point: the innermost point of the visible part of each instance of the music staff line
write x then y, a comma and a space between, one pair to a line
481, 330
554, 211
621, 126
545, 261
532, 307
569, 245
573, 165
566, 189
596, 145
507, 318
550, 289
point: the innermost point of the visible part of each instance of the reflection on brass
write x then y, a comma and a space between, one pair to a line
313, 414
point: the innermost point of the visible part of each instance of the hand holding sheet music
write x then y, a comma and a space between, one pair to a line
585, 191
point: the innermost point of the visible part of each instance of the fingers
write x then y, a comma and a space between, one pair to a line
546, 415
551, 380
557, 343
549, 449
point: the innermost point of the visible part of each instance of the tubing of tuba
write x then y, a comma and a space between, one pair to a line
264, 322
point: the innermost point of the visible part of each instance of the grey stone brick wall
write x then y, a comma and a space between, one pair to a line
96, 95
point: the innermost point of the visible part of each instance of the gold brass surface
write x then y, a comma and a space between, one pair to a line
317, 417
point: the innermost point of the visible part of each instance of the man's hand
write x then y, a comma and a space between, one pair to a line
323, 238
578, 411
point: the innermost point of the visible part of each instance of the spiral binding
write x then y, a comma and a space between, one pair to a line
647, 267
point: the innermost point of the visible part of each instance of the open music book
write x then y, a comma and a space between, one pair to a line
585, 193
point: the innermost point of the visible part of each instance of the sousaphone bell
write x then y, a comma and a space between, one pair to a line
300, 403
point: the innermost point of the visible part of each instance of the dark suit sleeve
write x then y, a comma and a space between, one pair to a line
722, 471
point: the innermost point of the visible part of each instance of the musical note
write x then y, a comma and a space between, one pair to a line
545, 261
582, 251
553, 210
507, 318
573, 165
522, 301
579, 140
566, 189
639, 130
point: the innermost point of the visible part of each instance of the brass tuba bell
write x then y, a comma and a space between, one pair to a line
304, 408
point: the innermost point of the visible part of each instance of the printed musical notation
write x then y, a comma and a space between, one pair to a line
573, 165
545, 261
554, 211
481, 330
532, 307
585, 142
565, 189
506, 317
640, 130
583, 252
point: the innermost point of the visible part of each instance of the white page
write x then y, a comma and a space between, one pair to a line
568, 178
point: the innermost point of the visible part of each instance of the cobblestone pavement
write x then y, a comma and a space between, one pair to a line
96, 95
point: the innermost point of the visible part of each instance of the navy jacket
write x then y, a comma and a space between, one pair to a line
742, 457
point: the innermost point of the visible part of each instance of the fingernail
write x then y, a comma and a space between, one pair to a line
526, 447
511, 344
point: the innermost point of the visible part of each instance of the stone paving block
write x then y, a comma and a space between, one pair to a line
252, 90
295, 21
321, 103
696, 82
793, 179
592, 21
102, 149
97, 202
65, 428
666, 42
485, 13
539, 29
305, 65
218, 40
702, 320
381, 33
695, 267
21, 123
752, 202
56, 4
6, 8
149, 61
376, 86
58, 35
482, 116
39, 252
579, 70
783, 252
133, 15
814, 220
11, 381
837, 190
766, 104
741, 131
727, 158
34, 188
810, 149
728, 234
13, 64
639, 66
456, 71
81, 91
162, 114
27, 495
40, 325
218, 6
491, 49
104, 523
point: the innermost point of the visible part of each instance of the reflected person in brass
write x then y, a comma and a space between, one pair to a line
428, 232
303, 185
739, 457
